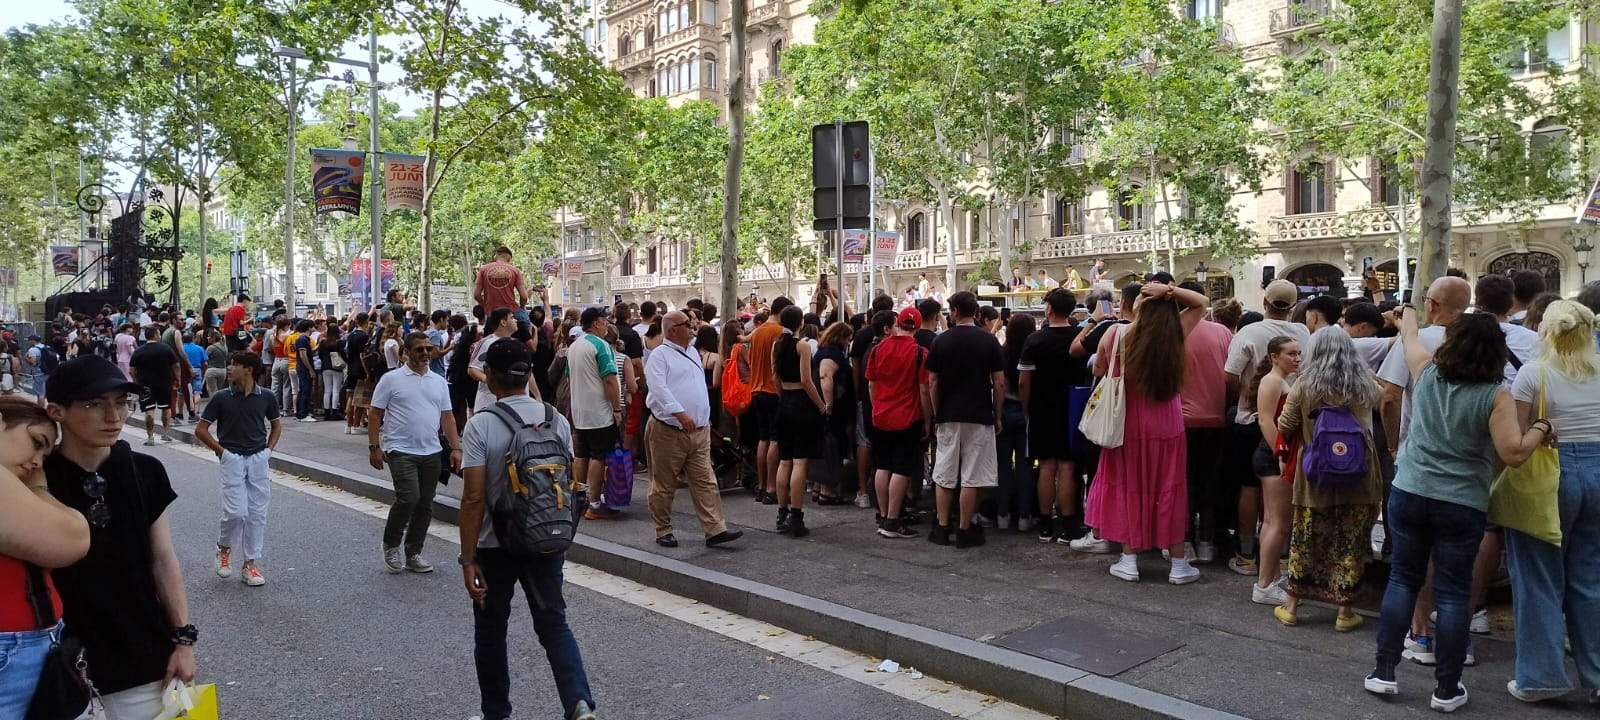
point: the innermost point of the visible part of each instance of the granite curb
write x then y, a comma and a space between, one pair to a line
1033, 682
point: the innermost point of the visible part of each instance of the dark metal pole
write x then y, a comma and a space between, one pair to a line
838, 199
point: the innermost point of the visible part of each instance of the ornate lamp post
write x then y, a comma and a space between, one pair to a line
1201, 271
1582, 247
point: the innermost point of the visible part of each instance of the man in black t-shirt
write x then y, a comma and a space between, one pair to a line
878, 321
1047, 373
153, 365
125, 600
968, 386
930, 310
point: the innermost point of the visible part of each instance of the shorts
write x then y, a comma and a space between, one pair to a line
766, 408
964, 456
899, 451
799, 427
157, 396
1264, 463
594, 444
1238, 465
1049, 437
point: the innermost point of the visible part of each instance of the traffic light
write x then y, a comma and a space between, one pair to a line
825, 172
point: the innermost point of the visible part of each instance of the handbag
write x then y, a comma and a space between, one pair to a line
190, 702
619, 479
1524, 498
64, 689
1106, 408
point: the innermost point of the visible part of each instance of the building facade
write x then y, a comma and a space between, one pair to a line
1323, 224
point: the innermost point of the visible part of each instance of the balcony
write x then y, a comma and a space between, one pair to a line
1126, 242
633, 282
694, 32
913, 260
1301, 16
773, 13
636, 59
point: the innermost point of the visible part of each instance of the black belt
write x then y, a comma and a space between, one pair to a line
669, 426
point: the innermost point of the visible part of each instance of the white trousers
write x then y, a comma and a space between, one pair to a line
245, 495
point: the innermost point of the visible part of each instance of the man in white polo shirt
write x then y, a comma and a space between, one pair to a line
411, 405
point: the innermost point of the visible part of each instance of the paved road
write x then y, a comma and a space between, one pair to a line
333, 636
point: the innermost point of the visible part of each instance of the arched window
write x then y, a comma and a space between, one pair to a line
624, 46
776, 57
1130, 213
1543, 263
915, 233
649, 37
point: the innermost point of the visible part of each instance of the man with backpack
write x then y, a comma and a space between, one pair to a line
411, 406
517, 471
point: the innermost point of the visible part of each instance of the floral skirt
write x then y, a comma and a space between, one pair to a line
1328, 551
361, 397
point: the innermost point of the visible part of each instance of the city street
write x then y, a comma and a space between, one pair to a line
333, 636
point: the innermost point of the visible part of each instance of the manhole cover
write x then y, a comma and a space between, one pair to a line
1087, 646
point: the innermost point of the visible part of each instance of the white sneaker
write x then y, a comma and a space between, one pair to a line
1272, 594
166, 438
251, 576
1451, 705
863, 501
1126, 568
224, 563
1091, 544
1205, 552
1183, 573
1478, 626
1188, 551
416, 564
1025, 524
150, 441
1532, 696
309, 419
392, 561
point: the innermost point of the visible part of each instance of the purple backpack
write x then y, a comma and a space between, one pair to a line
1336, 457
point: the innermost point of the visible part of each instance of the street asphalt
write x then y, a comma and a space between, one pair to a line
332, 635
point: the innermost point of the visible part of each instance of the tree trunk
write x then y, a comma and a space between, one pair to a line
735, 164
948, 213
1438, 158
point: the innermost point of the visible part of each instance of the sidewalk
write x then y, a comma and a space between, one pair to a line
1203, 643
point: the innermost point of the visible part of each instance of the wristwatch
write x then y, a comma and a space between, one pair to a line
464, 561
371, 446
186, 635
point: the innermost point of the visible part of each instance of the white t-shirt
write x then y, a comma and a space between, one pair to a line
391, 353
591, 364
411, 406
1524, 344
1245, 352
1395, 371
480, 351
1373, 350
1573, 407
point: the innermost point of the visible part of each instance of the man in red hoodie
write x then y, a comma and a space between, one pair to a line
902, 412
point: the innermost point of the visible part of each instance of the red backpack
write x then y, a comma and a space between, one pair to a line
735, 391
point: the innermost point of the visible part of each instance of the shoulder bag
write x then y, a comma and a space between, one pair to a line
1104, 413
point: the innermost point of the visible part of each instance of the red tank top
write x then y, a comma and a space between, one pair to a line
16, 613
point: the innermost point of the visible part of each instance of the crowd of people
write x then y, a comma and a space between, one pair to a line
1283, 443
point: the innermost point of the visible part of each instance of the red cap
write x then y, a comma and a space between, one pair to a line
909, 318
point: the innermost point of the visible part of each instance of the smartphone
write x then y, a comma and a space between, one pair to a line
1105, 307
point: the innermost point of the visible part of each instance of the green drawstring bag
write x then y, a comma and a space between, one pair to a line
1524, 498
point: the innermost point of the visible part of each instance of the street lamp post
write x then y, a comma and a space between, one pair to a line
1201, 271
1583, 248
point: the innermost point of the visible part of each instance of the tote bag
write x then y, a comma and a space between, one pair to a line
1103, 414
1524, 498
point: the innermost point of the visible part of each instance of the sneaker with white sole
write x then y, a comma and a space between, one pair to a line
416, 564
1272, 594
1420, 650
166, 438
1183, 573
251, 575
1188, 551
1024, 524
1532, 696
1242, 565
1205, 552
1449, 704
1126, 568
1381, 681
1478, 626
582, 711
150, 441
224, 562
392, 561
863, 501
1091, 544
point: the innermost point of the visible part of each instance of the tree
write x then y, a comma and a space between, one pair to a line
728, 248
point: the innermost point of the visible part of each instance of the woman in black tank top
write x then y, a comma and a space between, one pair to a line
799, 423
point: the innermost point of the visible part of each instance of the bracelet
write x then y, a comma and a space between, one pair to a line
186, 635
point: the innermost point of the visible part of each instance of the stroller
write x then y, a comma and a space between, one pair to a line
732, 463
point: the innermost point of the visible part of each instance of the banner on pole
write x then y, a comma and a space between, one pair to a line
336, 177
855, 245
403, 181
1591, 206
64, 258
574, 269
361, 279
884, 247
551, 267
90, 252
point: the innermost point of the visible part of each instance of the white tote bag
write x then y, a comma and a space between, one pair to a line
1104, 413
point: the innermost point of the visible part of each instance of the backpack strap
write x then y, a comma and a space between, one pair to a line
44, 614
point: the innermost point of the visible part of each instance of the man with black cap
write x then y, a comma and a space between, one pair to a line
491, 574
596, 391
678, 436
124, 600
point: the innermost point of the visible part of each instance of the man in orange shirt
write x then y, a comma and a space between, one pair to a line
764, 401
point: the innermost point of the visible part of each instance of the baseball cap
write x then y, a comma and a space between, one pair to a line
1163, 277
574, 332
590, 315
85, 378
1282, 295
909, 318
510, 357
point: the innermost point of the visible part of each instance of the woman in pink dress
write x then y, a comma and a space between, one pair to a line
125, 343
1140, 496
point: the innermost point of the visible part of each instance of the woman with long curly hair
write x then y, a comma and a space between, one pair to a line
1139, 497
1331, 525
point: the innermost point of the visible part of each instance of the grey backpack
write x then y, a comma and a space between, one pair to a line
535, 513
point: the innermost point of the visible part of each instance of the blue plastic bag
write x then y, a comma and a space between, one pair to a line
619, 479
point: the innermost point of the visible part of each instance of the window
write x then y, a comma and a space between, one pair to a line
624, 46
1131, 214
1386, 189
683, 15
322, 283
1205, 9
626, 266
652, 91
915, 229
776, 57
683, 77
661, 23
708, 12
1309, 189
710, 72
694, 73
651, 259
649, 37
1067, 217
1549, 147
1553, 54
602, 31
588, 36
974, 230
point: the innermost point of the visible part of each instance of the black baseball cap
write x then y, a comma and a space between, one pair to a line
590, 314
509, 357
87, 377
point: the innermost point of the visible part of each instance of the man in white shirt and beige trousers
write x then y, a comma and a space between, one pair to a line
677, 435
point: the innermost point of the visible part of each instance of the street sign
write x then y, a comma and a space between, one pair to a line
884, 247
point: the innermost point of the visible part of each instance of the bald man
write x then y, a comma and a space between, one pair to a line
1446, 300
677, 435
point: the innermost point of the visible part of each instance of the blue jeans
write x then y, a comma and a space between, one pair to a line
541, 583
302, 403
1016, 495
1557, 589
1448, 533
21, 660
